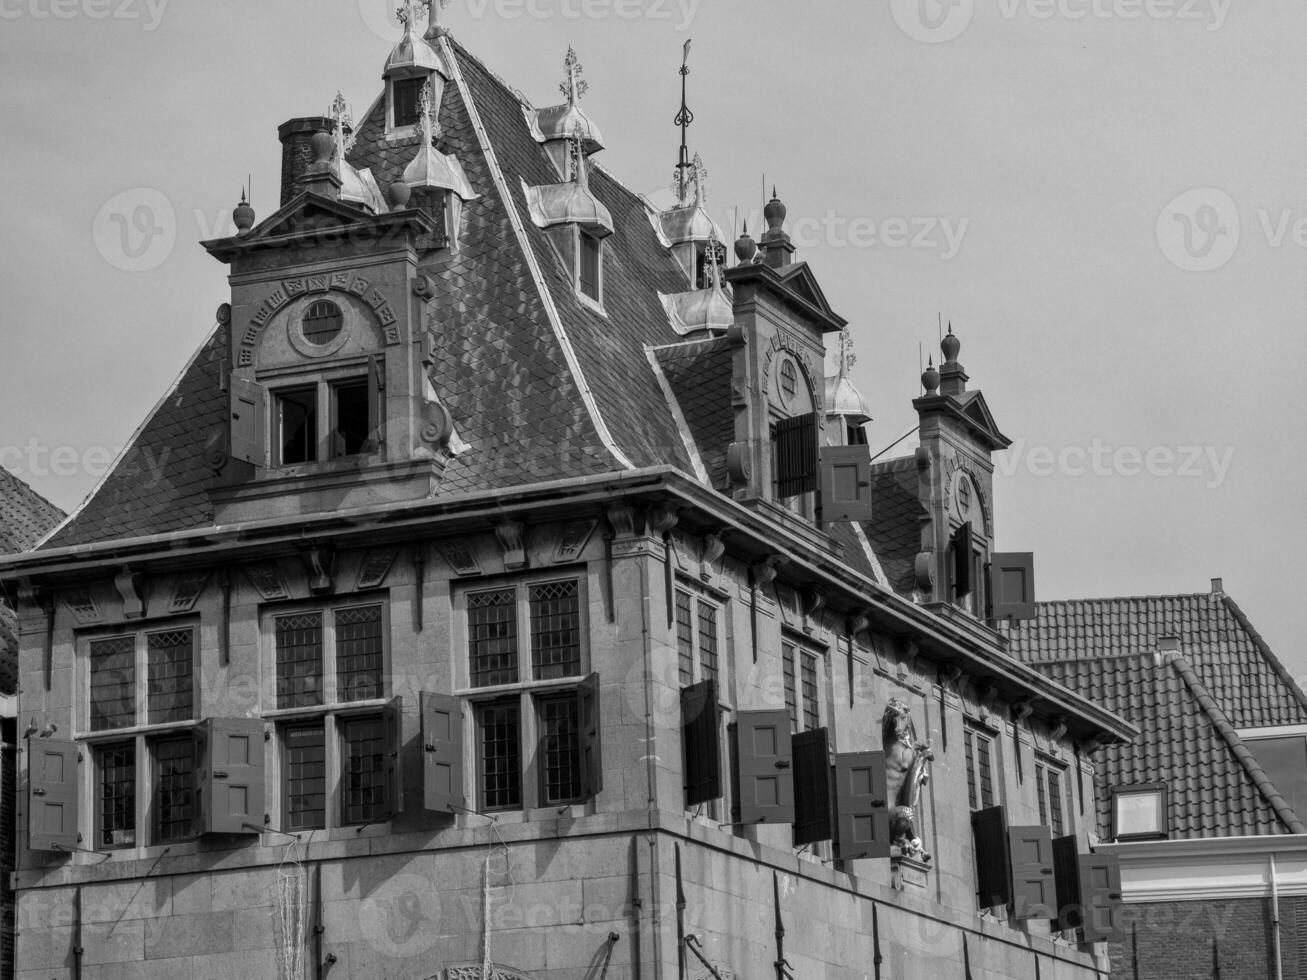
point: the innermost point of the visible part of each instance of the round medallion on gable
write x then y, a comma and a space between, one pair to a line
319, 329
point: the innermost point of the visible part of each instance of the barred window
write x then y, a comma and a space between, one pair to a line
555, 630
364, 788
684, 638
299, 660
500, 765
561, 743
358, 654
492, 631
174, 796
305, 797
115, 809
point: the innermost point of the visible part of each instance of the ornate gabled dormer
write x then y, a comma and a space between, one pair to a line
356, 186
847, 413
557, 126
412, 65
433, 181
699, 310
958, 439
331, 405
577, 223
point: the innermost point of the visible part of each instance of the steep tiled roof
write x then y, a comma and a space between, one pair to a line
1188, 706
25, 516
895, 528
699, 375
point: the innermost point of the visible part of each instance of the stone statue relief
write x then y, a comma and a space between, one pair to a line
907, 768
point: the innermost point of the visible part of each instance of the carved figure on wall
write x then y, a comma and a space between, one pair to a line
907, 768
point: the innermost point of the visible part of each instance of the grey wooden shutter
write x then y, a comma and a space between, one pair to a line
700, 743
845, 483
52, 796
592, 766
1066, 869
1034, 894
393, 715
230, 776
962, 547
765, 771
796, 455
1012, 586
812, 801
861, 806
249, 422
993, 873
442, 753
1101, 897
376, 416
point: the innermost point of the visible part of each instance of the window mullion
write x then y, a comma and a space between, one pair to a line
142, 679
330, 695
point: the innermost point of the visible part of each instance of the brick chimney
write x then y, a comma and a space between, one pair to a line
297, 150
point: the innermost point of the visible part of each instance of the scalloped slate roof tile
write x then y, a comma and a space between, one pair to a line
25, 518
1105, 650
699, 373
895, 528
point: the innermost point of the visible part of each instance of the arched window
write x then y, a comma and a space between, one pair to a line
322, 323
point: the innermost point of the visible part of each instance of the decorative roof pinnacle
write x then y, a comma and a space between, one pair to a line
574, 86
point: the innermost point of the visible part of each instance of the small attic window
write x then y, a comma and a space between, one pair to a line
857, 435
789, 381
589, 278
322, 323
406, 96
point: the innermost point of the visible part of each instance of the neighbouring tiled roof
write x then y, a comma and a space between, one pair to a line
25, 518
895, 528
699, 374
1187, 706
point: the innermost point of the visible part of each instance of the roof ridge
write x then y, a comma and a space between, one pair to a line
1125, 598
1265, 786
519, 232
1264, 648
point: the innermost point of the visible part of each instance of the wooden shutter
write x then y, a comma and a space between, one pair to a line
1034, 894
812, 803
845, 483
592, 765
1066, 869
962, 546
52, 781
230, 776
249, 421
442, 753
796, 455
700, 743
993, 873
376, 416
393, 716
1012, 586
861, 806
1101, 898
765, 771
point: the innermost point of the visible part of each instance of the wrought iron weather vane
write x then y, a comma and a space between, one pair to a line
684, 168
574, 87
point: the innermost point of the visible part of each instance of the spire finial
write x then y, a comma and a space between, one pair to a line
745, 247
951, 346
683, 119
574, 86
434, 28
577, 141
930, 380
407, 15
713, 257
343, 128
243, 216
428, 127
847, 357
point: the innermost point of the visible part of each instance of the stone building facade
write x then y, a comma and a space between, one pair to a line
520, 597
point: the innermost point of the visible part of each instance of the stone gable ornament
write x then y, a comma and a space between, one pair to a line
907, 769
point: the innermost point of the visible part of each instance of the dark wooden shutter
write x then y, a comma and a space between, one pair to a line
993, 873
796, 455
1012, 586
592, 765
845, 483
962, 546
231, 776
812, 803
376, 416
52, 781
700, 743
393, 715
442, 753
1101, 898
766, 767
861, 806
1066, 869
1034, 893
249, 421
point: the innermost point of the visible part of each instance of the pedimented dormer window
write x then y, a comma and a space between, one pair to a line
349, 407
405, 97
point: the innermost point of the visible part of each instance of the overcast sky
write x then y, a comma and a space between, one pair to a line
1108, 198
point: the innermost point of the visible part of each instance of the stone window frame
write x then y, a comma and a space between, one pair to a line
1158, 790
1047, 768
973, 730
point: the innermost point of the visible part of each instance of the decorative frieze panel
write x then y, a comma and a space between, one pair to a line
572, 541
82, 605
186, 591
375, 567
461, 554
266, 577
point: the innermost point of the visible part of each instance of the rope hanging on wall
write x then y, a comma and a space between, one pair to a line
291, 912
488, 971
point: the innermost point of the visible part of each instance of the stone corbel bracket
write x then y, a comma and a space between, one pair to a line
814, 601
319, 565
512, 541
711, 549
131, 586
763, 573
